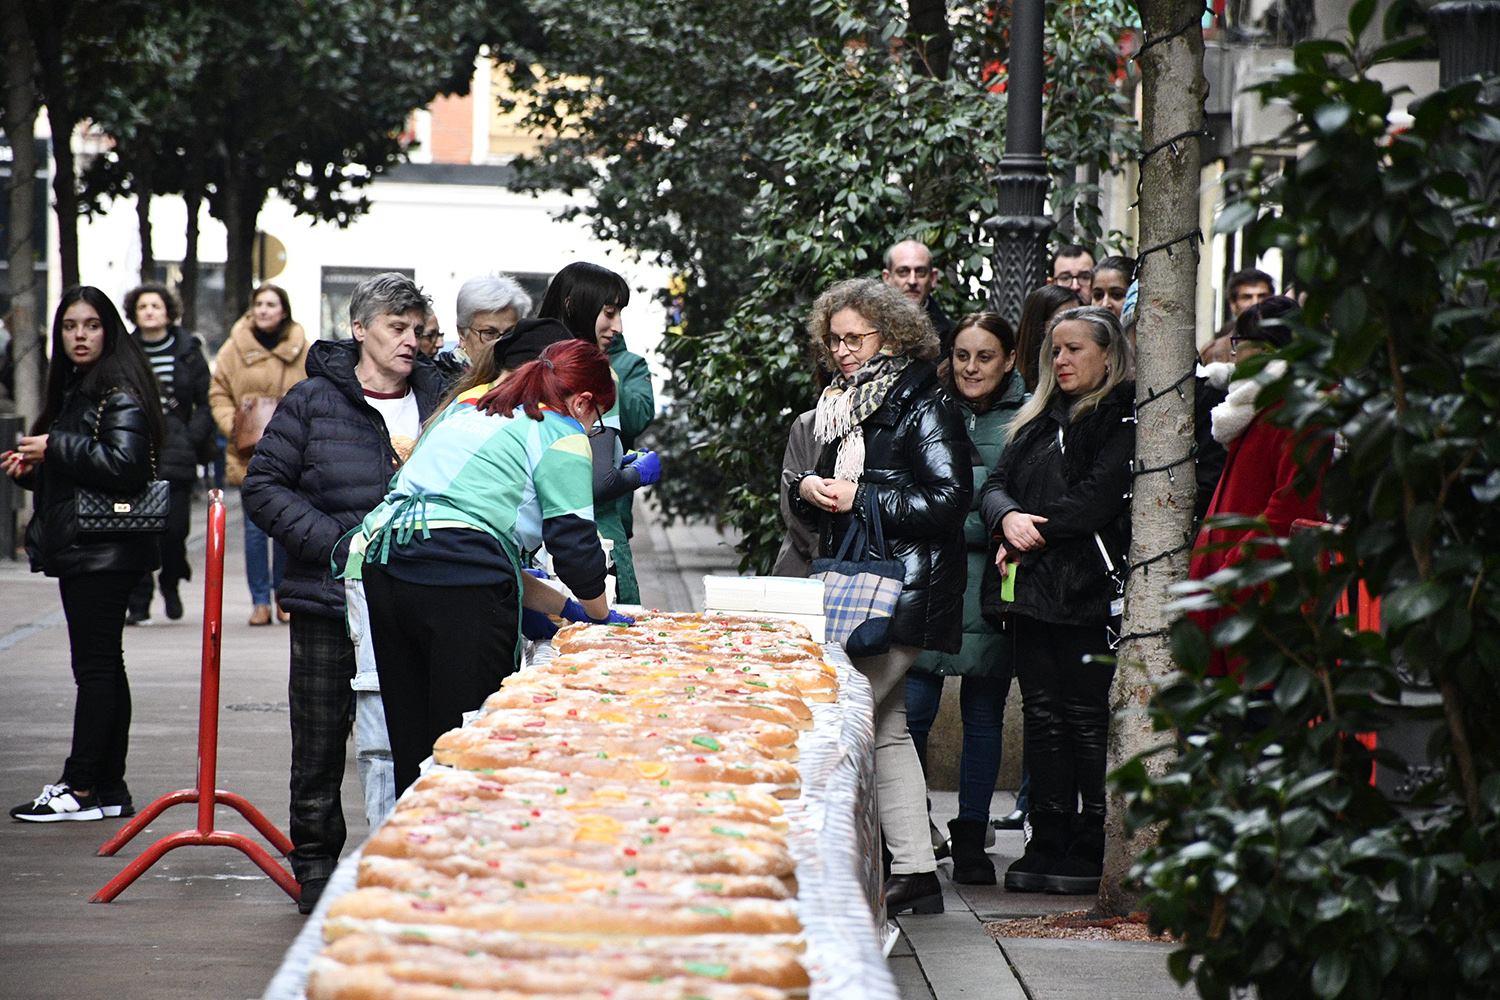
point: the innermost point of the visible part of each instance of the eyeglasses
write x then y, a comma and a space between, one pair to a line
487, 333
1078, 278
852, 341
434, 335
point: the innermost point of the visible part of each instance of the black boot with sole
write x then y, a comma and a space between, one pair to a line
1080, 870
971, 866
1050, 835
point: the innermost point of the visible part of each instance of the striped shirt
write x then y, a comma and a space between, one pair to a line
163, 358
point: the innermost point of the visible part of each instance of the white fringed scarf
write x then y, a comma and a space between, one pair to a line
844, 406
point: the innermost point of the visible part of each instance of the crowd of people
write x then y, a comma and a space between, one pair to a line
409, 510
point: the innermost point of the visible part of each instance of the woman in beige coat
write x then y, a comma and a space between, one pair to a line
265, 355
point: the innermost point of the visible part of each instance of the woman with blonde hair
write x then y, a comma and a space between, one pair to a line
1059, 500
894, 453
265, 355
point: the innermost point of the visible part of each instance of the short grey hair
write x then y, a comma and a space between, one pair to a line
491, 293
391, 293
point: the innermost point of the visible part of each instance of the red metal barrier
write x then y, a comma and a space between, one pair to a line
205, 794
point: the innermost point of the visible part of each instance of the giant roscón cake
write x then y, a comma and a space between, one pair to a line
610, 827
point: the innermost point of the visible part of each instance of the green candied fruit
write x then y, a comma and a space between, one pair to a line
661, 715
723, 832
602, 755
759, 684
707, 742
562, 791
710, 886
630, 872
519, 884
718, 911
714, 970
664, 782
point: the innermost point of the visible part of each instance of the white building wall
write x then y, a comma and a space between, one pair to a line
445, 233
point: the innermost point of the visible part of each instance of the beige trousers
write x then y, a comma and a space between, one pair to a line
901, 790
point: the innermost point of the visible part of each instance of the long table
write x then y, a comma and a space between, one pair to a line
833, 836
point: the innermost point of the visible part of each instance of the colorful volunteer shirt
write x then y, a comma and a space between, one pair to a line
522, 481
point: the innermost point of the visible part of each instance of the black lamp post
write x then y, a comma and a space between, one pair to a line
1021, 226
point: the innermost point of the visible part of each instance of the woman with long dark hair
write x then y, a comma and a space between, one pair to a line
1041, 305
493, 478
265, 355
101, 427
588, 300
1060, 502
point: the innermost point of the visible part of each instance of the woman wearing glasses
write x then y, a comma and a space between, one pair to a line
488, 308
893, 447
501, 470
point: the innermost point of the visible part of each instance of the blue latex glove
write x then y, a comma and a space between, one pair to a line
536, 626
575, 612
540, 574
646, 463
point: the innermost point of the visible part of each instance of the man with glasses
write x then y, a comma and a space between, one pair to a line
910, 271
489, 307
1073, 266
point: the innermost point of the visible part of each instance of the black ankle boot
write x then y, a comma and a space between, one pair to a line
971, 866
1050, 836
919, 893
1079, 872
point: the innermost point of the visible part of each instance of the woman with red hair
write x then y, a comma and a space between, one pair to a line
503, 470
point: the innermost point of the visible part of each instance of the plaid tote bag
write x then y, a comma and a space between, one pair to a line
859, 594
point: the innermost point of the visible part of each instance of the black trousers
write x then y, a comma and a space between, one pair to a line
94, 605
1065, 702
440, 652
174, 562
322, 711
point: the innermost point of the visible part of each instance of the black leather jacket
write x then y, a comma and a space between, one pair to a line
108, 448
324, 463
917, 476
1080, 490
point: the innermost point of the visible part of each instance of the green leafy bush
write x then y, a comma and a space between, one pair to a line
1279, 863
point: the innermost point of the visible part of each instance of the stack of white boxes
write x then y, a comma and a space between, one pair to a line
792, 597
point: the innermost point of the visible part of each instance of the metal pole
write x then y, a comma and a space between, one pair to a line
1020, 227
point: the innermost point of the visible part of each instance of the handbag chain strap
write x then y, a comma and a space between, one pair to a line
99, 419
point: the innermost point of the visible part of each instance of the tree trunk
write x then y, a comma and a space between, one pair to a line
28, 351
1162, 508
48, 23
192, 197
144, 188
928, 20
244, 194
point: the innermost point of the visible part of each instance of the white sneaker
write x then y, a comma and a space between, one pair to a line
59, 802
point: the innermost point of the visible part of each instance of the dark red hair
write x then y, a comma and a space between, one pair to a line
564, 369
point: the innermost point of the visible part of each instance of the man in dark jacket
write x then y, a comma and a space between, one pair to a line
176, 358
325, 461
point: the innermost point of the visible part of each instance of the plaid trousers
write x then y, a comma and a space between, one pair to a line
322, 711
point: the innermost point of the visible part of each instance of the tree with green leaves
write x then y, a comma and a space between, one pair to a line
1281, 864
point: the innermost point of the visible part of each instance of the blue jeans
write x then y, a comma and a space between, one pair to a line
256, 560
981, 702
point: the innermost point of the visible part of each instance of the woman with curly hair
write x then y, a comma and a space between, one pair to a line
893, 450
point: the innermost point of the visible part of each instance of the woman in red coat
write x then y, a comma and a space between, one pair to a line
1261, 466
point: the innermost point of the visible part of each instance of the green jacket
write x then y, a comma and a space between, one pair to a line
984, 650
637, 408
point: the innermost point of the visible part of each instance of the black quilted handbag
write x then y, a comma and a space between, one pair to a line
144, 512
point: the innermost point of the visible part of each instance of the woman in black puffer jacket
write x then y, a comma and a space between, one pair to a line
1059, 500
894, 447
101, 428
